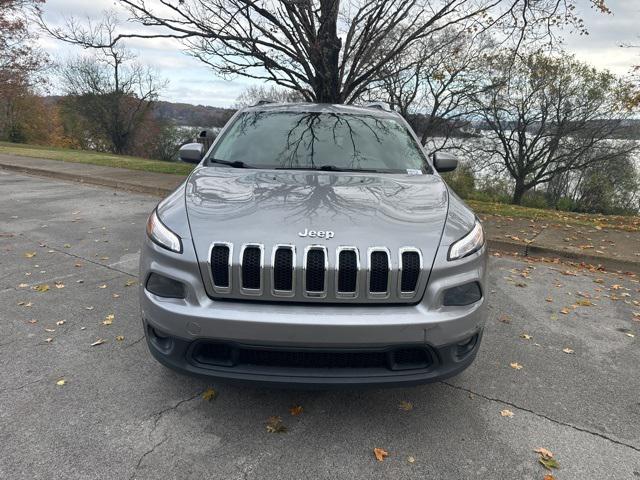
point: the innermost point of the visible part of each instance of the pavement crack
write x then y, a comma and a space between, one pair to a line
542, 415
156, 419
135, 342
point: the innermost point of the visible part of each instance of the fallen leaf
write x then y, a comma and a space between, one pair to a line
549, 299
521, 284
296, 410
565, 311
61, 322
77, 264
33, 320
411, 460
584, 303
48, 340
102, 286
129, 283
29, 254
548, 463
66, 245
108, 320
504, 318
88, 308
50, 330
406, 406
526, 336
380, 454
59, 284
61, 382
115, 295
549, 477
544, 452
506, 413
275, 425
567, 350
516, 366
97, 342
41, 288
631, 335
119, 338
23, 285
209, 394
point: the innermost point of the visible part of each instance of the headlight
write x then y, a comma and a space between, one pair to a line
160, 234
470, 243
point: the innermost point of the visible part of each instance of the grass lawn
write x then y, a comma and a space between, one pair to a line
95, 158
616, 222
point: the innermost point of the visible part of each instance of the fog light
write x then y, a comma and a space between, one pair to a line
466, 347
462, 295
160, 340
164, 287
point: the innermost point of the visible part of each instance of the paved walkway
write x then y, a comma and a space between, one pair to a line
613, 249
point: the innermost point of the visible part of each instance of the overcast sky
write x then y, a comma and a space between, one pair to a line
192, 82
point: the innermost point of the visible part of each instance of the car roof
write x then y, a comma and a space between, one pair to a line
321, 108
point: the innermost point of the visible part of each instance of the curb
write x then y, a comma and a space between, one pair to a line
536, 251
519, 249
90, 180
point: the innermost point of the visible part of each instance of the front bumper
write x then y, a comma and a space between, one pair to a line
319, 330
312, 367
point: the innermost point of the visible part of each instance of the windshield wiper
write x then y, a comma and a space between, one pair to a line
234, 164
332, 168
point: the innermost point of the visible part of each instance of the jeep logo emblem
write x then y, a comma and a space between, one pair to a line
316, 233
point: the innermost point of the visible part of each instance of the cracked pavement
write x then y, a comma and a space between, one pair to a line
122, 415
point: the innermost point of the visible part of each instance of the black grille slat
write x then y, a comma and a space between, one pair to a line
348, 271
315, 271
220, 265
251, 268
379, 275
283, 269
410, 271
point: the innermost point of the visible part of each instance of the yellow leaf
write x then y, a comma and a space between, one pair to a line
97, 342
567, 350
565, 311
584, 303
29, 254
108, 320
59, 284
380, 454
102, 286
411, 460
129, 283
549, 299
516, 366
275, 425
119, 338
406, 406
41, 288
61, 382
23, 285
506, 413
209, 394
296, 410
526, 336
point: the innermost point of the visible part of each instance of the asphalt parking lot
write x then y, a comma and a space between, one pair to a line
72, 410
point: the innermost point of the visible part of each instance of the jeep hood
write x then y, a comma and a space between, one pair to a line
270, 207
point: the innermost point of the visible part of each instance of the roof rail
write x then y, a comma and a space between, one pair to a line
379, 105
262, 101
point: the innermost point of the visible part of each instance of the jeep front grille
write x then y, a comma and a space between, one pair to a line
319, 273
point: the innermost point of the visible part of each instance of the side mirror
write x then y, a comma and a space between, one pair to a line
445, 162
191, 153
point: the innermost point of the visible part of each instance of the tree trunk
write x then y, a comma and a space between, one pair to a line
325, 58
518, 192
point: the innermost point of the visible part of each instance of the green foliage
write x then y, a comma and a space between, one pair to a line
461, 180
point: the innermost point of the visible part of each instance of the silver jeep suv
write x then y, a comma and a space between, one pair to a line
314, 245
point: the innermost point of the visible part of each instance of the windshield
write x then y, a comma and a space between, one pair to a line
314, 140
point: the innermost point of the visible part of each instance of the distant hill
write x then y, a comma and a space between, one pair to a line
182, 114
185, 114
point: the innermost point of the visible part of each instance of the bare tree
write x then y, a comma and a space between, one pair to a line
432, 83
545, 116
110, 90
328, 50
